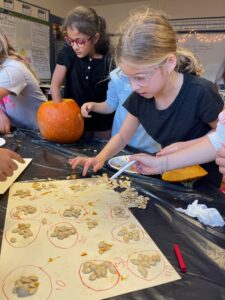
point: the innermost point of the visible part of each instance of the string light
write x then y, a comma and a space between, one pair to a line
204, 30
201, 37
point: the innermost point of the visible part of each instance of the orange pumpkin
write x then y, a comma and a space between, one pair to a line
60, 122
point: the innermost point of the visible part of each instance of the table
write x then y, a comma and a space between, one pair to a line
203, 248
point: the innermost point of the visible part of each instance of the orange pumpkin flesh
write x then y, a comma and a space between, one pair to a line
60, 122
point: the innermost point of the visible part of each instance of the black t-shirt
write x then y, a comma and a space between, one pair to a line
187, 118
87, 80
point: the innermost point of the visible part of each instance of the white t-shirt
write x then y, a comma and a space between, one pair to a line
217, 138
25, 94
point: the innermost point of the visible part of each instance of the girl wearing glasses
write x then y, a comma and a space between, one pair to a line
85, 62
170, 105
119, 89
209, 148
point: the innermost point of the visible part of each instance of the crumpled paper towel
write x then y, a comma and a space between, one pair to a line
207, 216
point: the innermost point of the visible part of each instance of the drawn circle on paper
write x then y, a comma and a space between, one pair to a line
2, 141
127, 226
65, 243
99, 284
19, 240
119, 212
153, 272
44, 290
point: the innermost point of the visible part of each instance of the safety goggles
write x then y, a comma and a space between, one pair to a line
141, 79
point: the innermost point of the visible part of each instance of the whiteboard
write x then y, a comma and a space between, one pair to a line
211, 53
31, 39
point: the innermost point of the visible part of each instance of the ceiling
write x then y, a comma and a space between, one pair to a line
102, 2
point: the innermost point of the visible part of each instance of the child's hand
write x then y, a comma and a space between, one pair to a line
87, 162
147, 164
4, 123
86, 108
7, 165
220, 159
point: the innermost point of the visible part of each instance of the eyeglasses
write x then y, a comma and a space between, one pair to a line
78, 42
140, 79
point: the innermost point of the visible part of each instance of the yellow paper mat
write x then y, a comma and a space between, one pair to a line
100, 258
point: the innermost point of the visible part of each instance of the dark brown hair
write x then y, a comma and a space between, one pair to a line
86, 21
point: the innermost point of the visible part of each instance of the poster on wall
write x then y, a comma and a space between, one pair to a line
9, 4
42, 14
26, 9
30, 37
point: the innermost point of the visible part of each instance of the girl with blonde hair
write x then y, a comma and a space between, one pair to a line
209, 148
20, 93
171, 106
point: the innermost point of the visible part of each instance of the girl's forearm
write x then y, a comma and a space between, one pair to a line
102, 108
115, 144
56, 94
198, 153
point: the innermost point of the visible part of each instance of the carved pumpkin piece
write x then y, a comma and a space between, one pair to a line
60, 122
184, 174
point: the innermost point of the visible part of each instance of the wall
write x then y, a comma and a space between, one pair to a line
57, 7
114, 14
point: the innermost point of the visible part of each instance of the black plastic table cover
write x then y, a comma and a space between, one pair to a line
203, 248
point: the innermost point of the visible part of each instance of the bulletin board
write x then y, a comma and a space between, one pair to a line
27, 28
206, 38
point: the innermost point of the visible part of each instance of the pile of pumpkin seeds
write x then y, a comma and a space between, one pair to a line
39, 186
22, 193
98, 270
91, 223
62, 232
131, 198
22, 229
25, 209
120, 212
145, 262
26, 286
130, 233
72, 212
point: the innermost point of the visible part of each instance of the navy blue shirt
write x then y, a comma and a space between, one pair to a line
87, 80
